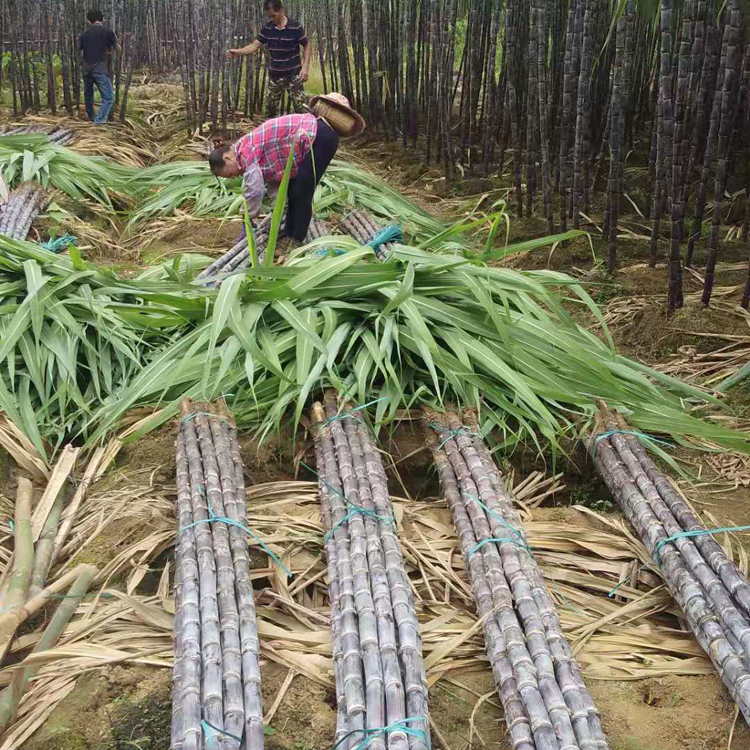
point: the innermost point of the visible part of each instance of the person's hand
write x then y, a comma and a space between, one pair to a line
303, 76
232, 53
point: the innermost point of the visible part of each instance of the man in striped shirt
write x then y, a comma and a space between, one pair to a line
288, 68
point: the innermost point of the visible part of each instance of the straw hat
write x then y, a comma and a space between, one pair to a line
335, 109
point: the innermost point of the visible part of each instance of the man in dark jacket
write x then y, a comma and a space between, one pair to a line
289, 51
95, 44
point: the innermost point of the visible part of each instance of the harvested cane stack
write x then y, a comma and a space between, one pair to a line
546, 702
361, 225
381, 687
23, 206
711, 591
238, 258
216, 679
57, 135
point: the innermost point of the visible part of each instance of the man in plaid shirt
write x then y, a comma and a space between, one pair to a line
261, 157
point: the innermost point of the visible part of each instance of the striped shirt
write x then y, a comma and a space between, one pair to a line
284, 48
262, 154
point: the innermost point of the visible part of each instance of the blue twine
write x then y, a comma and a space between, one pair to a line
633, 432
210, 731
207, 414
391, 233
396, 726
674, 537
626, 580
12, 527
355, 509
60, 243
349, 412
513, 529
213, 518
453, 433
689, 534
499, 540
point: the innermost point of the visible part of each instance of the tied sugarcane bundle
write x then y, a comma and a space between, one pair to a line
362, 226
381, 686
57, 135
238, 258
705, 583
216, 677
547, 705
24, 204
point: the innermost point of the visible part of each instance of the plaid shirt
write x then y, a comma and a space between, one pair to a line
269, 145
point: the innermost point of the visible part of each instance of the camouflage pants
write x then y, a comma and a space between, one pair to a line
295, 93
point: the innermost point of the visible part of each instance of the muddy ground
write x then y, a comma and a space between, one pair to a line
129, 707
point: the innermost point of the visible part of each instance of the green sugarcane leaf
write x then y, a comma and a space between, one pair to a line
278, 209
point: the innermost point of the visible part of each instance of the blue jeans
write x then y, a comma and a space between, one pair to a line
105, 91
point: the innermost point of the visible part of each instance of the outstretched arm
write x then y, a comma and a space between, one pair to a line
251, 49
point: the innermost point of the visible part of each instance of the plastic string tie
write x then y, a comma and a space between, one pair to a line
213, 518
12, 527
206, 414
335, 250
510, 526
60, 243
211, 731
499, 540
391, 233
355, 509
626, 580
632, 432
397, 726
349, 412
690, 535
452, 433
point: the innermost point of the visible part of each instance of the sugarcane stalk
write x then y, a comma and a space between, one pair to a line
186, 717
332, 490
232, 698
23, 563
46, 544
712, 551
11, 696
342, 724
11, 620
529, 728
363, 535
703, 621
210, 638
369, 468
369, 561
250, 644
512, 597
558, 644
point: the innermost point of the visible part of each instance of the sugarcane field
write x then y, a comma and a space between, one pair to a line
374, 375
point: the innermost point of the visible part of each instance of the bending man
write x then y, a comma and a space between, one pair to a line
261, 156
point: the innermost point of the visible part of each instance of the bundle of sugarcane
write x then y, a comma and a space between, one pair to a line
238, 258
546, 702
57, 135
708, 586
23, 206
381, 687
216, 677
362, 226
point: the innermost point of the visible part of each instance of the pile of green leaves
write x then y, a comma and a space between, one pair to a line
33, 157
83, 347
